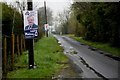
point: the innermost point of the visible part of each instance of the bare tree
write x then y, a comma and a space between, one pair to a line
41, 12
63, 18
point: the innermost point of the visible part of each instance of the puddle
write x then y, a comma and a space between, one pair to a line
101, 52
83, 44
71, 48
59, 43
92, 48
73, 52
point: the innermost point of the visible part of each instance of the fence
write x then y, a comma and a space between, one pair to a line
12, 47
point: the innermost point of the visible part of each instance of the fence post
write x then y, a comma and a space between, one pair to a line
18, 50
23, 41
21, 44
4, 56
13, 50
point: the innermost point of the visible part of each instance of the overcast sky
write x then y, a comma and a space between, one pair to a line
55, 5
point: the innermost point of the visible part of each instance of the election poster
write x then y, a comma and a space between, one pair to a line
46, 26
30, 24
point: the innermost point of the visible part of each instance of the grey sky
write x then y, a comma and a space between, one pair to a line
55, 5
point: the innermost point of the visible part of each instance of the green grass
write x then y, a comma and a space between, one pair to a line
102, 46
47, 53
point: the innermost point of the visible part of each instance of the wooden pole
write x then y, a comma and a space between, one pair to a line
21, 44
4, 56
18, 50
23, 41
31, 50
45, 18
12, 56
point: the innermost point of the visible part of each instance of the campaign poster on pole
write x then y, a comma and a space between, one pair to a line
46, 27
30, 24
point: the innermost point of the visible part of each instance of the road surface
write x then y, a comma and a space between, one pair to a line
93, 63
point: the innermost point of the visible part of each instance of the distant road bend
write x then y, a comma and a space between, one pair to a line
92, 63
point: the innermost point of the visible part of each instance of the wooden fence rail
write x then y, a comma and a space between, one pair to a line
4, 55
17, 41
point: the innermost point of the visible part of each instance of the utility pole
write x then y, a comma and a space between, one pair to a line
30, 41
45, 18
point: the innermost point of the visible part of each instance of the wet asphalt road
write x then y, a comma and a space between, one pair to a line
91, 62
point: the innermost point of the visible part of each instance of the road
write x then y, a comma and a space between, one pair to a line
91, 62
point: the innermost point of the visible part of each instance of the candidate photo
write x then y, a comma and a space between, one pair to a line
31, 24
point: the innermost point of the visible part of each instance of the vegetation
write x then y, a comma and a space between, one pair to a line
62, 18
11, 23
47, 56
96, 22
100, 21
11, 19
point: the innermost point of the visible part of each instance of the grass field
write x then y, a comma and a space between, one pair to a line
102, 46
47, 55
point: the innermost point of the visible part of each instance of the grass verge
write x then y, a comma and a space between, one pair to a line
102, 46
47, 55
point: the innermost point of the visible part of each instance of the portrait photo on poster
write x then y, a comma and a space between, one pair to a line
30, 24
